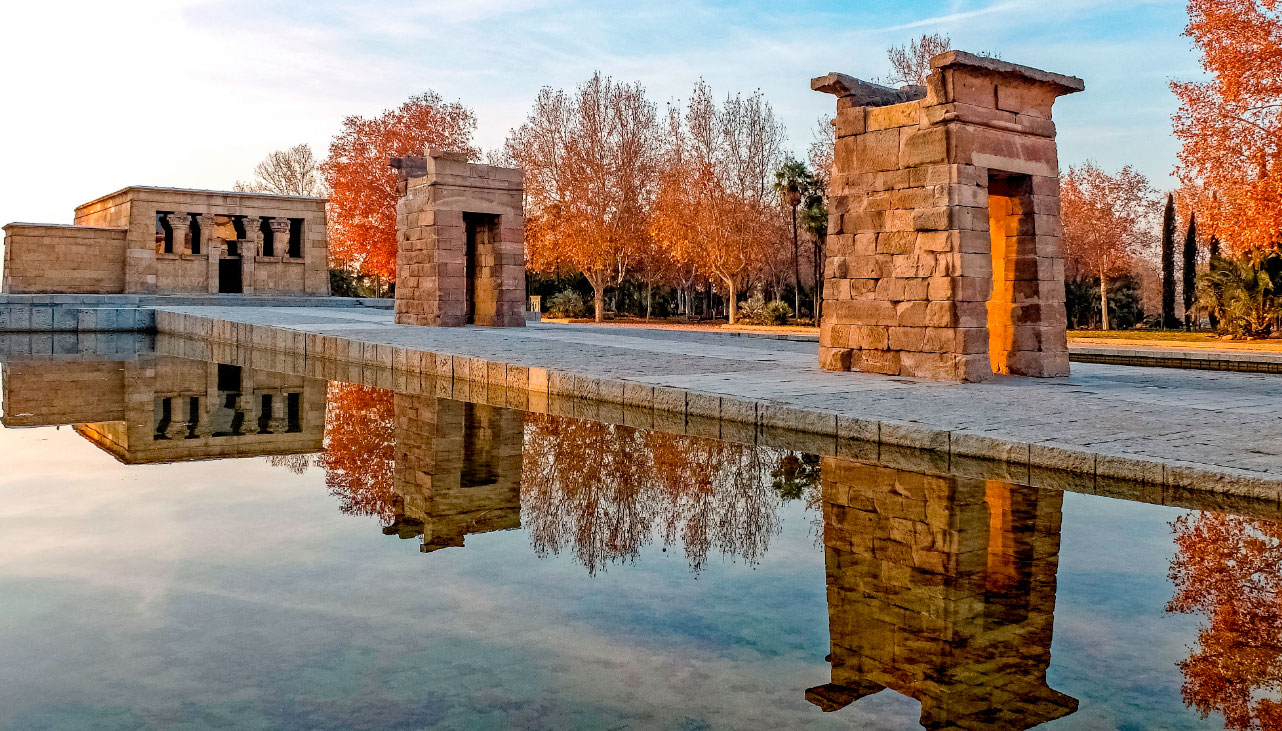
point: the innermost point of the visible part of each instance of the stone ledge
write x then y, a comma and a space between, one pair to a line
910, 445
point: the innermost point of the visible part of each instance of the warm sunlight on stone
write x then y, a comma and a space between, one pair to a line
944, 259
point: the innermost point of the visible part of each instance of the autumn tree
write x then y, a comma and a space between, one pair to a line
362, 200
1107, 221
1229, 569
590, 160
603, 492
910, 62
1230, 125
294, 171
360, 449
729, 154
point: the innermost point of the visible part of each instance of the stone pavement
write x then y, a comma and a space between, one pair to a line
1208, 429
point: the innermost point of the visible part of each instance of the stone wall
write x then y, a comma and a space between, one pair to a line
166, 409
117, 245
460, 243
51, 393
458, 469
942, 589
943, 250
42, 258
149, 269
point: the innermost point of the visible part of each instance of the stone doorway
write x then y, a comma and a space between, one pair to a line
480, 296
229, 276
1012, 238
460, 243
943, 254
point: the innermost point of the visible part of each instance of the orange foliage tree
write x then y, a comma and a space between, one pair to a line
1107, 222
362, 198
716, 209
360, 449
1230, 126
604, 492
590, 168
1229, 569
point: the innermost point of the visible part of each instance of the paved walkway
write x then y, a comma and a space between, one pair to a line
1129, 421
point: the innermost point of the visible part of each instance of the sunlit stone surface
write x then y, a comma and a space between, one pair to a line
943, 250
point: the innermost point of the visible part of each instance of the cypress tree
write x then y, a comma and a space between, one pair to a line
1212, 253
1190, 270
1168, 264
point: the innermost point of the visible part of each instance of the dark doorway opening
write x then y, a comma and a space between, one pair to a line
229, 276
481, 232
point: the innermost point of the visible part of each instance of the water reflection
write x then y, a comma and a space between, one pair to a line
942, 589
157, 408
939, 588
1228, 568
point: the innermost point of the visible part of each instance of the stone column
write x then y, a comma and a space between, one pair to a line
280, 236
207, 250
179, 223
250, 247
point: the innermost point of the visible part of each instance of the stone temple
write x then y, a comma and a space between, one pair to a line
149, 240
460, 230
944, 254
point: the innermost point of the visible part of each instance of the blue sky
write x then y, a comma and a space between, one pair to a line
193, 93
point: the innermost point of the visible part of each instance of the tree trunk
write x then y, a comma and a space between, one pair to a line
733, 306
599, 300
796, 264
649, 295
1103, 301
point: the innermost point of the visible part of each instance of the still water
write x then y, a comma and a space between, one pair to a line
192, 544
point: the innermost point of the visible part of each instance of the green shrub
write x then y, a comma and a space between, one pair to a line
567, 303
1241, 294
776, 313
344, 283
756, 311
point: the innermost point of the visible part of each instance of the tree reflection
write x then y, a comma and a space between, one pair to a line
1229, 568
604, 492
360, 449
296, 463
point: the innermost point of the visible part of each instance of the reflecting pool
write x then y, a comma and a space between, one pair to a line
243, 541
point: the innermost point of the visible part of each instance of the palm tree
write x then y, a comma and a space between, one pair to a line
1240, 294
794, 183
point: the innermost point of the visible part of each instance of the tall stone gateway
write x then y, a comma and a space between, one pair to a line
943, 249
460, 243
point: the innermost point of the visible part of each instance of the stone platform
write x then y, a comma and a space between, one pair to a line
1202, 430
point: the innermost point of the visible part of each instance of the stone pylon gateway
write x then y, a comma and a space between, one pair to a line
460, 235
944, 236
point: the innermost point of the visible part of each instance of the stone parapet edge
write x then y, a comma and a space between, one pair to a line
1047, 463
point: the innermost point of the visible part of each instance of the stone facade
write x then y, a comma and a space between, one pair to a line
144, 240
155, 408
941, 589
458, 470
943, 250
460, 235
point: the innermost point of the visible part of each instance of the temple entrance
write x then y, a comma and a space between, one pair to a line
229, 277
1011, 236
479, 295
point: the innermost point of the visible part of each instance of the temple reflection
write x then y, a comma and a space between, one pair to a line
149, 408
942, 589
457, 470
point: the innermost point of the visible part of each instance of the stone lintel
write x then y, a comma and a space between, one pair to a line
963, 60
865, 93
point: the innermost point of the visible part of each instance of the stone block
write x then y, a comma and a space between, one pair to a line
670, 400
877, 151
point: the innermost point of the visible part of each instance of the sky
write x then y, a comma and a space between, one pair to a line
193, 93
